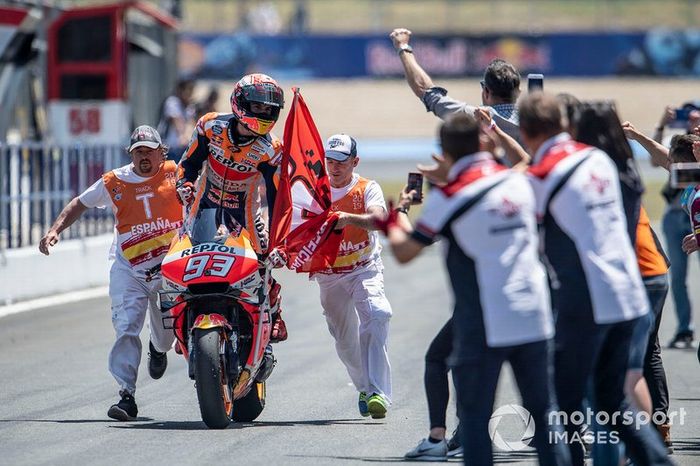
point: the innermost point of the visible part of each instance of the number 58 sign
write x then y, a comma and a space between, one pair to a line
84, 120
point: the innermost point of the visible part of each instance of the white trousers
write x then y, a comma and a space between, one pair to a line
131, 298
357, 313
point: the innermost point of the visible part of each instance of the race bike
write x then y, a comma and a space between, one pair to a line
217, 303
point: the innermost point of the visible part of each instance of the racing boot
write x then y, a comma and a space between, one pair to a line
279, 328
268, 364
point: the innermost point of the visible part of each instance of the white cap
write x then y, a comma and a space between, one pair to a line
340, 147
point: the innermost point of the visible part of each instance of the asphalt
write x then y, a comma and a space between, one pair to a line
55, 389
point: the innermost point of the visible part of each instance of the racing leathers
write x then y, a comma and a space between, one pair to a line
237, 169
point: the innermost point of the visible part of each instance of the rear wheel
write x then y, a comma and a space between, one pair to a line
215, 397
250, 406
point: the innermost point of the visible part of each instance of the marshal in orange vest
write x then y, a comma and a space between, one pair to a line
358, 246
147, 215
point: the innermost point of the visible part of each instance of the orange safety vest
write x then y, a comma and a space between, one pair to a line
146, 214
355, 246
650, 256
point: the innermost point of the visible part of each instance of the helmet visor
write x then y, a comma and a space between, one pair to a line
267, 94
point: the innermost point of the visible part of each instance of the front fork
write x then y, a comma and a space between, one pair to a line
228, 349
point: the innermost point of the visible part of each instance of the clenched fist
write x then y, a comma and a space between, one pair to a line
399, 37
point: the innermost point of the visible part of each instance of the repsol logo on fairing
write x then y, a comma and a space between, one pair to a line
208, 247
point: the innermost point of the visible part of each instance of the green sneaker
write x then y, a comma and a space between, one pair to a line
362, 404
377, 406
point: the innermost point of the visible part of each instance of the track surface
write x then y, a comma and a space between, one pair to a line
55, 389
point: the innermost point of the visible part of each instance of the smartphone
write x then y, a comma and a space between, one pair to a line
415, 182
680, 118
682, 114
535, 82
685, 174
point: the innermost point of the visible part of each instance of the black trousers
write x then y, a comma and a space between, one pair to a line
654, 373
437, 389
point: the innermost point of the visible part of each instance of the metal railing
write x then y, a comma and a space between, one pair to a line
37, 180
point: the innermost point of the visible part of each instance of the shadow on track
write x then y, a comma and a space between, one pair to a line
199, 425
76, 421
687, 447
368, 459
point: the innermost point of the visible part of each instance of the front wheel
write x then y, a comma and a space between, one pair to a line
215, 397
249, 407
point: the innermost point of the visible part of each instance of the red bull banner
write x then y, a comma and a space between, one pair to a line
336, 56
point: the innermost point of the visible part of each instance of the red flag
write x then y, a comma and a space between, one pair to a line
302, 223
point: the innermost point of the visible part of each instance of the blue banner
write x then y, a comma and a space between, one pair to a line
657, 52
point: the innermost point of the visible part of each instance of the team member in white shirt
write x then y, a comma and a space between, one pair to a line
143, 198
352, 290
596, 286
486, 213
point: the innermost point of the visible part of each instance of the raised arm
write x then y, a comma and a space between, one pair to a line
70, 213
657, 152
417, 78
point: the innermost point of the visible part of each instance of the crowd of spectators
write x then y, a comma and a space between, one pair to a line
545, 182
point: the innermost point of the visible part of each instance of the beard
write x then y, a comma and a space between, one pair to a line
146, 167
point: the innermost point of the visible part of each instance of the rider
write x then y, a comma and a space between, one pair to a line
242, 158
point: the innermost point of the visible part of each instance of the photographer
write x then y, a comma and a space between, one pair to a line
675, 220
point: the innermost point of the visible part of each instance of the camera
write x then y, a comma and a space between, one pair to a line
685, 174
681, 115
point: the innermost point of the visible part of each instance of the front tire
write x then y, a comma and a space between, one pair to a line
249, 407
215, 397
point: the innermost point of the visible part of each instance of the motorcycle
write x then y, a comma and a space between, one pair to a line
217, 303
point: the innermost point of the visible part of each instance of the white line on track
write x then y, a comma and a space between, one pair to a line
57, 300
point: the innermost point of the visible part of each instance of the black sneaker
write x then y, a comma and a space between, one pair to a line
682, 340
454, 449
157, 362
125, 410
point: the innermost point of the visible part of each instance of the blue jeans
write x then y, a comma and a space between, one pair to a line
586, 350
676, 225
654, 373
476, 377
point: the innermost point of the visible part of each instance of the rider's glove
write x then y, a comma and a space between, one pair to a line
276, 259
185, 192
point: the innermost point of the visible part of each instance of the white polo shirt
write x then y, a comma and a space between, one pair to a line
492, 254
585, 235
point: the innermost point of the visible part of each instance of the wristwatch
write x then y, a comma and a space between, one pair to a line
405, 48
402, 209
